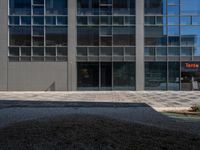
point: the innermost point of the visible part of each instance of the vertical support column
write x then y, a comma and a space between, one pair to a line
4, 45
72, 42
140, 45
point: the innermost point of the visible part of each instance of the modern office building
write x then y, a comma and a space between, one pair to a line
69, 45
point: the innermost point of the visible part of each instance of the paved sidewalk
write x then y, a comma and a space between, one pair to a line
155, 99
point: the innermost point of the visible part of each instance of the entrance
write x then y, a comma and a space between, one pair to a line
190, 76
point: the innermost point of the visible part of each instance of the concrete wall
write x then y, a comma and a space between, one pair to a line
37, 76
3, 44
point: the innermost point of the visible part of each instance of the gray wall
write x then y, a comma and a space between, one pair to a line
37, 76
3, 44
139, 45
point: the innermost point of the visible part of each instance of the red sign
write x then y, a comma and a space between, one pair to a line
191, 65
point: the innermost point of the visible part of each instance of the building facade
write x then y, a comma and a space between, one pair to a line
69, 45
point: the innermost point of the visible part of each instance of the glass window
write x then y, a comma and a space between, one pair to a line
41, 2
173, 30
129, 51
155, 6
50, 51
50, 20
195, 20
14, 51
155, 75
129, 20
124, 35
62, 20
38, 51
20, 7
88, 36
38, 20
106, 51
87, 7
150, 20
174, 51
62, 51
173, 20
105, 10
161, 51
173, 2
39, 31
25, 20
174, 40
106, 74
196, 51
14, 20
174, 76
118, 20
93, 20
188, 40
125, 7
20, 36
118, 51
185, 20
186, 51
190, 7
88, 75
149, 51
82, 20
106, 31
26, 51
38, 10
122, 76
93, 51
81, 51
38, 41
173, 10
106, 20
56, 36
55, 7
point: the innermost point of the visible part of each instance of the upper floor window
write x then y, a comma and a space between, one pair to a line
20, 7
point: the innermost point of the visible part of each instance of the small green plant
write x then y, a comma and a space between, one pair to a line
196, 108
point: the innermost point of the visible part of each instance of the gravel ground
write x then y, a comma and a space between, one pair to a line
80, 132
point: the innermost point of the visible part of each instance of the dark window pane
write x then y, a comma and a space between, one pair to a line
155, 6
125, 7
55, 7
50, 20
20, 36
124, 35
26, 51
20, 7
155, 75
106, 74
88, 36
50, 51
62, 20
88, 75
38, 10
25, 20
38, 20
14, 20
123, 75
14, 51
62, 51
81, 51
56, 36
174, 76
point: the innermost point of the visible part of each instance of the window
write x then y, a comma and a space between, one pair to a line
55, 7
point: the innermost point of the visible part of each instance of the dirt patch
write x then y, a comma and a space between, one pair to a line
92, 133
